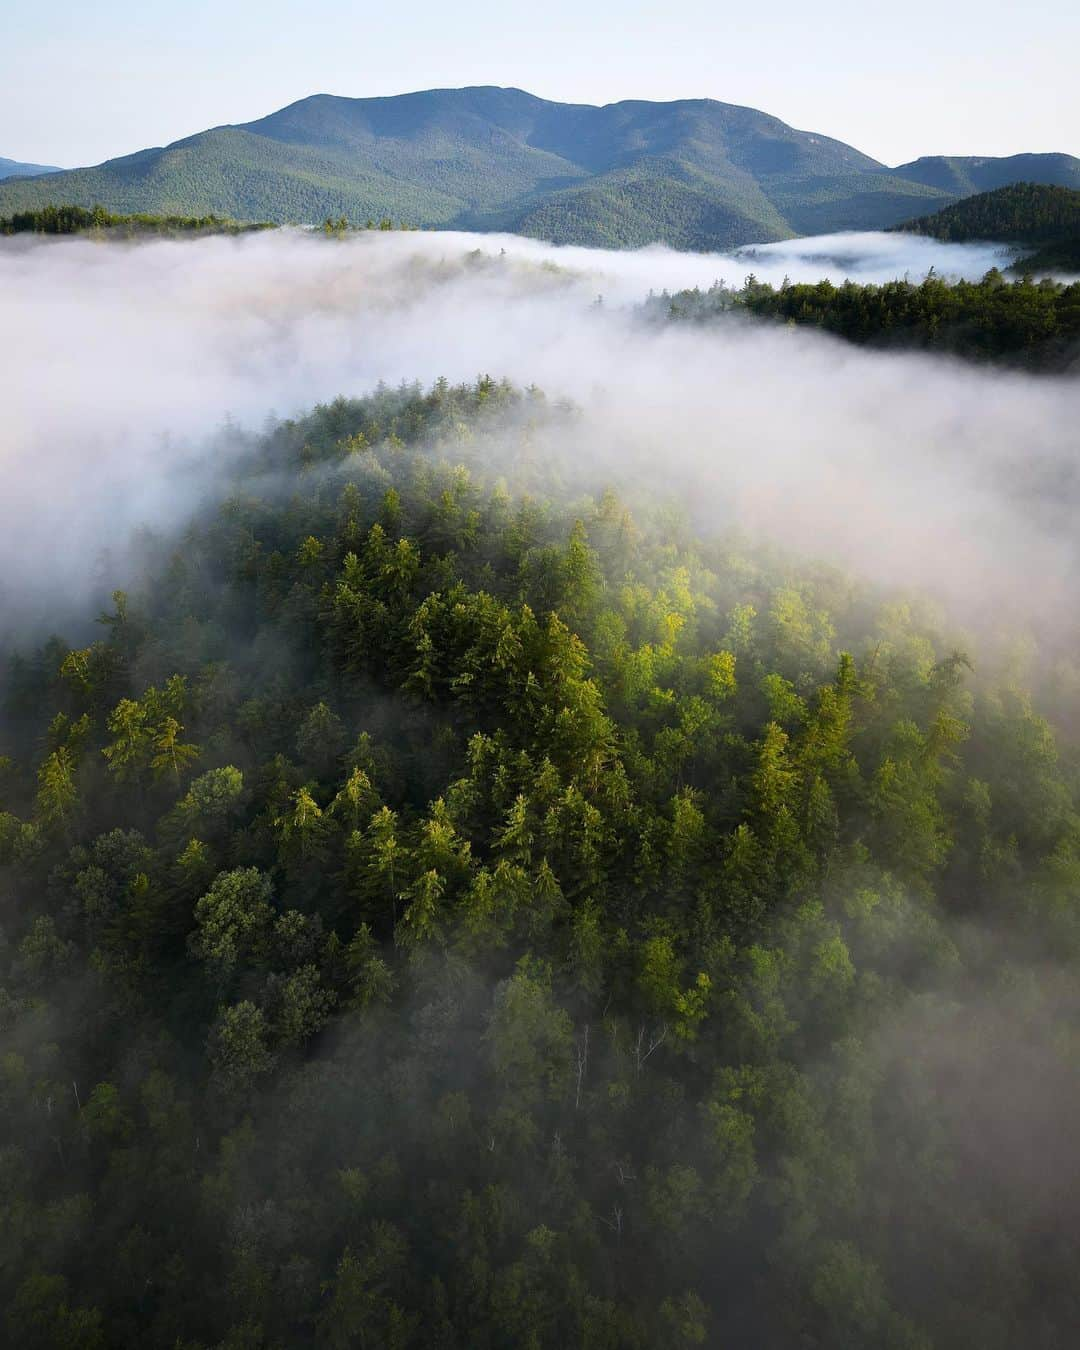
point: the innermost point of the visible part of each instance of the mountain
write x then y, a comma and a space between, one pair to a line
963, 176
695, 172
481, 158
13, 168
1046, 218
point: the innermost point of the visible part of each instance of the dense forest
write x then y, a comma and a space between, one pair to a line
1022, 213
1026, 323
1045, 218
67, 219
445, 904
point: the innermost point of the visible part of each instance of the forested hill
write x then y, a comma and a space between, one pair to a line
695, 173
1022, 323
436, 915
1024, 213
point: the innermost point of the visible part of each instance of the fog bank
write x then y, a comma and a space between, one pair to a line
122, 359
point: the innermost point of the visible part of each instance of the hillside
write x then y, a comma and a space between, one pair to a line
1023, 213
695, 172
13, 168
1044, 217
436, 915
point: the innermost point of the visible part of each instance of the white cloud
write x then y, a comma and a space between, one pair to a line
120, 358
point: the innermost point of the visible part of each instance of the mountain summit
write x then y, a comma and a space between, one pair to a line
695, 173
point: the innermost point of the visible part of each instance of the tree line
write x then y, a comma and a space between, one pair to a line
1027, 323
68, 219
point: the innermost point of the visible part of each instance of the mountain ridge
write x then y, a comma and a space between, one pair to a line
16, 168
695, 173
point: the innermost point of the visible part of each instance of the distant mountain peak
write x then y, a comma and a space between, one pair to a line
15, 168
694, 173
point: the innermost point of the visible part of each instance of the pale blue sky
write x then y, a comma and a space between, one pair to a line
82, 81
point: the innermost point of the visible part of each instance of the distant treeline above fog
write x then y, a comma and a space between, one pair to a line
69, 220
1022, 323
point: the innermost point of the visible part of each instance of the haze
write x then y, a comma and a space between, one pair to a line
129, 357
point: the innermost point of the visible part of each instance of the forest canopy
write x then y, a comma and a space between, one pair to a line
1044, 218
1026, 323
1020, 213
447, 904
67, 219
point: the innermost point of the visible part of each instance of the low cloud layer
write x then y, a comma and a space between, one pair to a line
123, 360
874, 257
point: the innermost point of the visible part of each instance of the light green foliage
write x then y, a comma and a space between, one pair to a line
146, 731
233, 920
355, 798
212, 795
721, 675
304, 826
57, 792
132, 739
171, 755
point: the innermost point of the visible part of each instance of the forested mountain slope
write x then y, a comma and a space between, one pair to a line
446, 907
1023, 213
1047, 218
695, 172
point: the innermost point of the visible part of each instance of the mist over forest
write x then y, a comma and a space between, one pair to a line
169, 354
539, 802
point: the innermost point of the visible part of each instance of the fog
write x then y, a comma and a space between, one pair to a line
873, 256
123, 359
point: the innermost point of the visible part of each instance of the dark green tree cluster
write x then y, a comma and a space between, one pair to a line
443, 907
1045, 219
1033, 324
1021, 213
65, 219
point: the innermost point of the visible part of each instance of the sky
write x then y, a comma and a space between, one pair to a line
80, 83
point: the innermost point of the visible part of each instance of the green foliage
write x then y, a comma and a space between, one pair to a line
1031, 324
579, 931
68, 219
1022, 213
